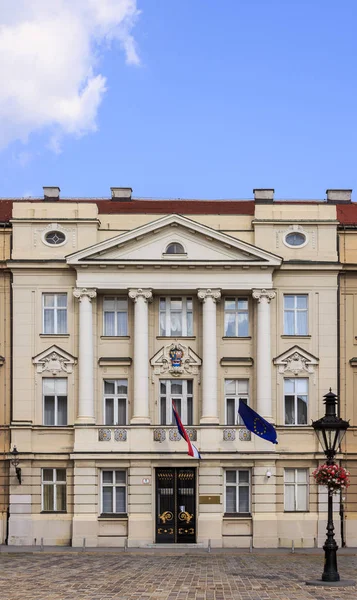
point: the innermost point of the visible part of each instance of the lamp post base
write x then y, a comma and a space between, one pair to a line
342, 583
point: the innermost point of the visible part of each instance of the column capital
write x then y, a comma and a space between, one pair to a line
209, 293
136, 293
81, 293
266, 295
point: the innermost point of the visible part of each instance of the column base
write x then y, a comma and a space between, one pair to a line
85, 421
209, 421
140, 421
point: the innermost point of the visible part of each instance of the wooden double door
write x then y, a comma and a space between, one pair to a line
176, 505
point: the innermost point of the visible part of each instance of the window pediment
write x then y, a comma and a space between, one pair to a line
296, 360
55, 361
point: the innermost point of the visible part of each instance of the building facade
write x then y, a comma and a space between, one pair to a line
5, 365
124, 305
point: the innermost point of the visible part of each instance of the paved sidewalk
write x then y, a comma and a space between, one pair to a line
170, 575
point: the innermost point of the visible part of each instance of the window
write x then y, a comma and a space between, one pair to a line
181, 393
54, 313
54, 489
295, 239
296, 489
54, 401
55, 238
175, 248
114, 492
236, 317
115, 401
295, 401
176, 316
235, 390
238, 491
295, 315
115, 314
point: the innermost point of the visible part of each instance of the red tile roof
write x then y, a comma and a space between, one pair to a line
347, 213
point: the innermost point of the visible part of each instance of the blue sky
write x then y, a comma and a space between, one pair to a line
211, 99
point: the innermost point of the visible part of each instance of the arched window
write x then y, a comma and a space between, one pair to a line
175, 248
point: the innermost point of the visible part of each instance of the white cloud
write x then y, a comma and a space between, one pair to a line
49, 52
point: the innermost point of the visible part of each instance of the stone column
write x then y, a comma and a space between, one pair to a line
86, 410
209, 355
264, 363
141, 298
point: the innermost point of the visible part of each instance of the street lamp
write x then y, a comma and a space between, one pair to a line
15, 462
330, 431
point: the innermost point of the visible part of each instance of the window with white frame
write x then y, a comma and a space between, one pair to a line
115, 316
176, 316
235, 390
296, 483
179, 391
54, 401
295, 314
237, 487
54, 490
295, 400
115, 401
114, 492
54, 313
236, 317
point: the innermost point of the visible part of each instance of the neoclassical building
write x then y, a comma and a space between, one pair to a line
122, 305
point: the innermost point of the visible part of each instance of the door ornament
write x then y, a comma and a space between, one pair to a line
185, 516
166, 516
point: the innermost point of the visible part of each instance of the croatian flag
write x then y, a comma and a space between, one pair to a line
192, 450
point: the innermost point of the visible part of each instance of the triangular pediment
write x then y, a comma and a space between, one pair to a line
148, 244
54, 360
296, 360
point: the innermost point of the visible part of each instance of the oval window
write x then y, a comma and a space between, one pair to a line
295, 238
175, 248
55, 238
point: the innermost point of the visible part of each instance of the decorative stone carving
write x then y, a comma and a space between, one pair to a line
245, 435
104, 435
120, 435
79, 293
134, 294
159, 435
55, 361
229, 435
176, 359
174, 435
296, 361
209, 293
264, 295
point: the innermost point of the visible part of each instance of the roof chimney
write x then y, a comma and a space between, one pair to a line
121, 193
339, 196
51, 193
263, 195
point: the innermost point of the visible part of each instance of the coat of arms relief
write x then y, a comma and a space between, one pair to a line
176, 359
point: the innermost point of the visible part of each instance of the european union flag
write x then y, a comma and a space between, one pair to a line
256, 424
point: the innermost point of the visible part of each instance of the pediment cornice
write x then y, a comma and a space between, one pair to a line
54, 360
296, 360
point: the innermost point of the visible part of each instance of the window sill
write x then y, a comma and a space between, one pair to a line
115, 337
54, 335
236, 337
237, 516
111, 516
292, 512
53, 512
175, 337
288, 336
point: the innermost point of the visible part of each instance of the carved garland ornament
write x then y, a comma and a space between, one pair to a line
176, 359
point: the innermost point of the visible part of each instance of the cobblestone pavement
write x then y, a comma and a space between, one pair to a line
156, 575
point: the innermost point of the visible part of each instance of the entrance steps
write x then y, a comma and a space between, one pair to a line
175, 546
